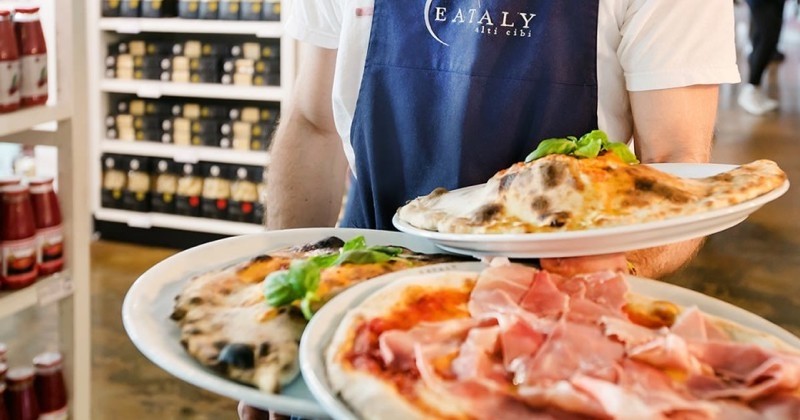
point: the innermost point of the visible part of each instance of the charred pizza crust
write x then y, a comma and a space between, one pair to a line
560, 193
227, 325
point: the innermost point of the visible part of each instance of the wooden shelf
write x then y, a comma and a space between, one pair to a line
185, 154
171, 221
45, 291
259, 29
154, 89
28, 118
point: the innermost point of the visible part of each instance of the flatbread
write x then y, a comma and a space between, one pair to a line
373, 389
227, 325
562, 193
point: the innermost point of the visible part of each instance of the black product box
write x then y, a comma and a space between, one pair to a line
189, 9
159, 8
244, 210
117, 48
229, 9
147, 123
158, 48
209, 9
188, 205
213, 111
269, 50
147, 135
215, 49
211, 140
205, 63
204, 76
136, 196
129, 8
215, 207
206, 127
113, 182
163, 198
159, 108
251, 10
110, 8
148, 73
267, 80
272, 10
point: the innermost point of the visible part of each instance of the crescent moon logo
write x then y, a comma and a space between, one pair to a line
428, 23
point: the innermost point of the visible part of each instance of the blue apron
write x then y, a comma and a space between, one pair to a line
455, 90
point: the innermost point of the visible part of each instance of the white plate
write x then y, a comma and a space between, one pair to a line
322, 327
149, 303
604, 240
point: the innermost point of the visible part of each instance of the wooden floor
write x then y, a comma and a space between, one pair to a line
755, 265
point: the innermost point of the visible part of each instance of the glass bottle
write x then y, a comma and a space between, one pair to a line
9, 65
51, 391
18, 240
33, 56
49, 233
20, 394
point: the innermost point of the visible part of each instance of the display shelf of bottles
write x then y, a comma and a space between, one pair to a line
45, 291
259, 29
186, 154
156, 89
28, 118
171, 221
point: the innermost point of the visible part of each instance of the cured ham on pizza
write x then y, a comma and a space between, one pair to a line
560, 193
517, 342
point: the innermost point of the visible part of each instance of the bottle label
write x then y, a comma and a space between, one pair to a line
19, 262
34, 76
9, 82
50, 249
60, 414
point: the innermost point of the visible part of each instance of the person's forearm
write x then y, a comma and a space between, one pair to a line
661, 261
305, 177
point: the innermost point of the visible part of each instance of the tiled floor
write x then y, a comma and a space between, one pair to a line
755, 265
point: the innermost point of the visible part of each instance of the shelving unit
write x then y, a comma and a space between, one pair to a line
101, 32
69, 290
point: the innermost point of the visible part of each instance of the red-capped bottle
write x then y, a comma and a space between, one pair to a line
20, 394
49, 233
18, 241
51, 390
33, 56
3, 410
9, 65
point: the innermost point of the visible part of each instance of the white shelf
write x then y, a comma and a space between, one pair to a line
171, 221
27, 118
155, 89
192, 26
44, 291
185, 154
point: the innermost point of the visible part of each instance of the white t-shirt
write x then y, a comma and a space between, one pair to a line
641, 45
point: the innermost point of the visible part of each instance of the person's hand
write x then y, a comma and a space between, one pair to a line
251, 413
571, 266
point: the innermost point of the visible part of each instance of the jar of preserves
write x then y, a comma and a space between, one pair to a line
33, 56
51, 390
9, 65
49, 233
18, 241
3, 410
20, 394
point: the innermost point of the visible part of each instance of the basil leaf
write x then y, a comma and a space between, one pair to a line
362, 256
588, 147
279, 289
552, 147
388, 250
356, 243
324, 261
305, 305
623, 152
595, 134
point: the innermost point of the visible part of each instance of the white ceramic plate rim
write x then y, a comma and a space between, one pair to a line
679, 169
158, 345
322, 327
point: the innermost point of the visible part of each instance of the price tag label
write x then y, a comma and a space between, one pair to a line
141, 221
128, 27
54, 289
185, 156
148, 92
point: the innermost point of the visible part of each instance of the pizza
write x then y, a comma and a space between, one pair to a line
245, 321
518, 342
562, 193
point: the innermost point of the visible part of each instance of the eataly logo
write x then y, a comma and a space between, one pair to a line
478, 19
